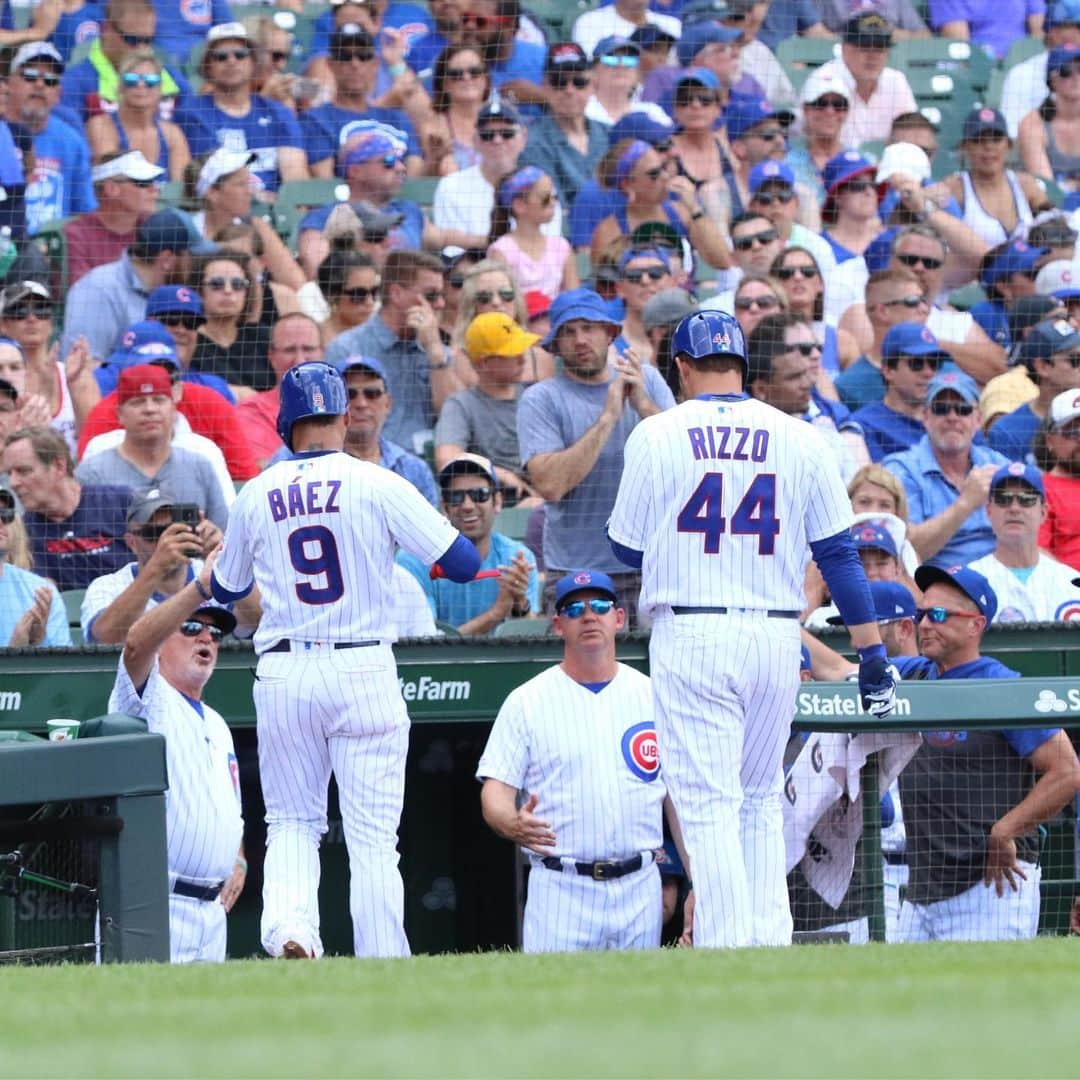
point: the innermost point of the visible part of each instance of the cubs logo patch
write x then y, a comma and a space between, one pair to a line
926, 335
234, 773
640, 751
1016, 468
582, 578
1068, 612
986, 115
184, 294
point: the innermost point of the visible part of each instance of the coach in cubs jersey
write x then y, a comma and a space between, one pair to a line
721, 500
571, 773
317, 534
168, 658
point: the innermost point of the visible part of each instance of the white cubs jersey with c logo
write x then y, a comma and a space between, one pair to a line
1048, 594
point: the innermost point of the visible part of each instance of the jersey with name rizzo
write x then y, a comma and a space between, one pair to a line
317, 534
591, 760
723, 495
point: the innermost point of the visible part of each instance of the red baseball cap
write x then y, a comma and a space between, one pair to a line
142, 379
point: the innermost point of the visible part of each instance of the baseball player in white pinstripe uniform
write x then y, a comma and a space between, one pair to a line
168, 658
317, 533
719, 499
570, 773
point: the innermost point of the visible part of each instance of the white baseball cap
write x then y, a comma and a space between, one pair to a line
1065, 408
903, 157
36, 50
131, 166
1060, 278
823, 81
222, 162
230, 31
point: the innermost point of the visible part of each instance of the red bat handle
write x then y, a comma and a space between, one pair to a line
437, 572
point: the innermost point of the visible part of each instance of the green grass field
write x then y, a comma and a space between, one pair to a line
1005, 1010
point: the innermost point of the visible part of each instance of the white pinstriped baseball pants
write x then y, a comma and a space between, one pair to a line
724, 690
340, 711
197, 930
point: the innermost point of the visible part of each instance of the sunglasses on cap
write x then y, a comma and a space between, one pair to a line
561, 80
625, 60
767, 198
598, 605
477, 495
762, 303
942, 614
368, 393
906, 301
653, 273
347, 56
360, 295
485, 296
220, 284
31, 75
179, 318
786, 273
194, 627
132, 41
221, 55
920, 260
856, 187
837, 104
916, 363
491, 134
943, 408
141, 78
1022, 498
20, 312
7, 515
745, 243
460, 74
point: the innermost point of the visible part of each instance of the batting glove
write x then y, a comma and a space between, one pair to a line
877, 682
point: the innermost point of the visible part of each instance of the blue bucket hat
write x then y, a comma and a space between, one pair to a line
970, 582
576, 304
1025, 474
580, 581
892, 602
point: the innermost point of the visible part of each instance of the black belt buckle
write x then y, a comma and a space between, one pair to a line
605, 870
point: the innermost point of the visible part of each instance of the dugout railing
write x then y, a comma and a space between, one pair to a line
459, 878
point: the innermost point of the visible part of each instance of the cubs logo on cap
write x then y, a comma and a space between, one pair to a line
1016, 468
641, 752
129, 339
927, 335
582, 579
986, 114
184, 294
578, 581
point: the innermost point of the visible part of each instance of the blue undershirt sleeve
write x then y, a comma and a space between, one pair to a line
839, 564
461, 560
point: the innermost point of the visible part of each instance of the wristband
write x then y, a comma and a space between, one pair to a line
202, 592
872, 652
395, 70
241, 862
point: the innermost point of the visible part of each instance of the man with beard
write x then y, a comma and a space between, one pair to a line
572, 429
516, 67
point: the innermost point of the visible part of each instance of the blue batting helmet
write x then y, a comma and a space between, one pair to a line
313, 389
709, 333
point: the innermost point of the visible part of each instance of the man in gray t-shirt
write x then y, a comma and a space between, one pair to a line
146, 457
572, 429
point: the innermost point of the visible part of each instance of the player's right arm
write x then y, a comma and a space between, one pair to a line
234, 569
498, 803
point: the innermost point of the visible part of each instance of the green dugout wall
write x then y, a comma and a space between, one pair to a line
460, 880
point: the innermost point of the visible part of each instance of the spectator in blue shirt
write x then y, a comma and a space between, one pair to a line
79, 26
471, 495
410, 20
1051, 353
230, 115
516, 67
59, 185
1006, 272
786, 18
184, 25
946, 478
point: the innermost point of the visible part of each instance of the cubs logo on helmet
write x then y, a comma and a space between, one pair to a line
641, 752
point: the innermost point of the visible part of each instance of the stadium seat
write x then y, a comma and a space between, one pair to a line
1054, 191
522, 628
512, 521
296, 197
873, 149
51, 239
1021, 49
171, 193
73, 599
800, 55
969, 66
420, 190
967, 297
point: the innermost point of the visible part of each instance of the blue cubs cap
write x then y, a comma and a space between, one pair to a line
645, 37
640, 127
869, 535
983, 120
957, 382
892, 602
700, 75
576, 304
136, 336
1047, 338
1015, 257
1062, 13
1059, 57
911, 339
878, 253
970, 582
356, 362
745, 113
152, 352
804, 658
1018, 471
696, 36
632, 253
173, 299
614, 43
845, 167
770, 172
581, 580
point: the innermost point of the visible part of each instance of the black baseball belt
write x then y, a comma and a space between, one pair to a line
604, 870
772, 613
205, 893
287, 645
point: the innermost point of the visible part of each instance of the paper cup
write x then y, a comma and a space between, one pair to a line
63, 730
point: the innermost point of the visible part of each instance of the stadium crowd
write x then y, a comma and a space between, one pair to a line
491, 220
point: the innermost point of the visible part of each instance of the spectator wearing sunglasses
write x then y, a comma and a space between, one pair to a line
756, 133
370, 405
125, 187
910, 358
850, 210
472, 499
1025, 83
32, 613
60, 184
460, 85
229, 111
755, 244
876, 93
516, 66
620, 19
136, 124
946, 476
1006, 273
1047, 130
525, 201
349, 283
1031, 586
825, 100
616, 80
168, 555
774, 194
643, 272
1051, 354
94, 83
565, 143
